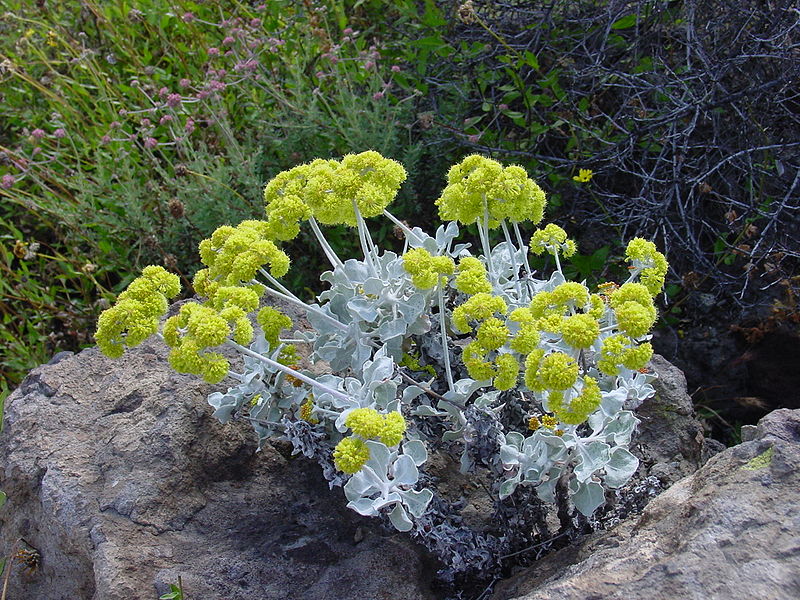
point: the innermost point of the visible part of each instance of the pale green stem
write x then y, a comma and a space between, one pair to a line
634, 274
326, 247
483, 233
405, 228
512, 251
363, 236
333, 321
558, 262
289, 371
264, 422
233, 375
523, 247
442, 327
277, 284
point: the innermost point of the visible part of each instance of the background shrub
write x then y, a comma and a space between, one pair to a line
129, 131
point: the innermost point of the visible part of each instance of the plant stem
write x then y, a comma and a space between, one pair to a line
363, 234
406, 229
483, 232
326, 247
445, 348
289, 371
558, 262
513, 251
291, 298
524, 249
277, 283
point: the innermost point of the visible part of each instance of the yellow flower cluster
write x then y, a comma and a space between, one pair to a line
620, 350
492, 333
478, 186
557, 371
633, 306
329, 190
653, 264
479, 307
549, 421
577, 410
234, 254
195, 328
272, 322
503, 371
471, 277
526, 340
233, 303
135, 315
552, 239
557, 312
370, 424
366, 422
427, 270
350, 454
507, 372
580, 331
307, 411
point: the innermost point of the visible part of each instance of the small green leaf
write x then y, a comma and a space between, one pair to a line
3, 498
471, 121
625, 22
531, 60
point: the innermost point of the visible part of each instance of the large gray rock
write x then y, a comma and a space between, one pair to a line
118, 475
669, 439
730, 531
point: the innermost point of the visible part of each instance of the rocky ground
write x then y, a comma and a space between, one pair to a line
121, 481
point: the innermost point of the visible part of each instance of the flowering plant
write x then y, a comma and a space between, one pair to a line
530, 382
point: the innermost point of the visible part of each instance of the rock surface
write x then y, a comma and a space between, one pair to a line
730, 531
118, 475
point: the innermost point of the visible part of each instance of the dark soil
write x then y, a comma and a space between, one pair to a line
738, 369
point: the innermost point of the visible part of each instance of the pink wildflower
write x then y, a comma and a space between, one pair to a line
213, 51
188, 17
59, 133
150, 143
184, 83
8, 181
37, 133
174, 100
165, 119
228, 41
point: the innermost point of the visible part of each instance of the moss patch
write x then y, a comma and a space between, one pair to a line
760, 461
